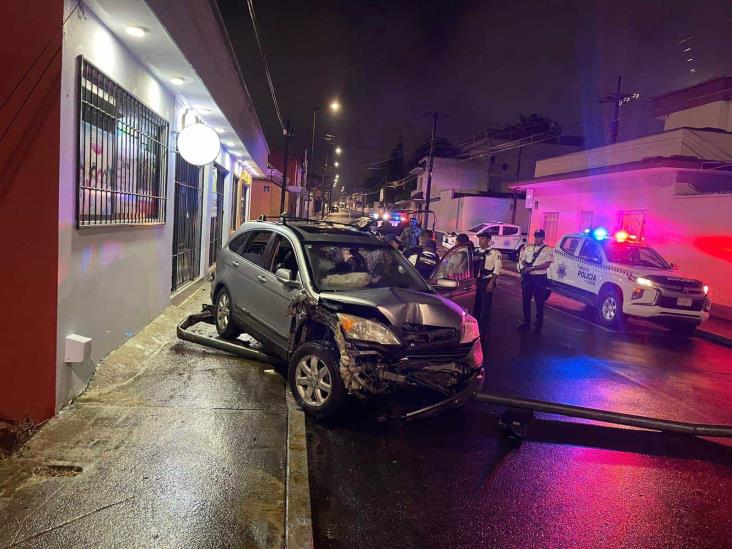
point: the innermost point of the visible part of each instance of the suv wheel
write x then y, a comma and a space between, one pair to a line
610, 308
315, 381
225, 325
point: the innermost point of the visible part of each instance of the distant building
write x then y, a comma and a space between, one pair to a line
673, 188
486, 168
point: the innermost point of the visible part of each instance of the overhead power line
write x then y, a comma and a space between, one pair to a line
250, 3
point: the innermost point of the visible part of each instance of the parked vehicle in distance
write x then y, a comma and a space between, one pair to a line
348, 313
621, 277
507, 238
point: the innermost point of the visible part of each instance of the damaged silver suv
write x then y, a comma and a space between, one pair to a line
349, 314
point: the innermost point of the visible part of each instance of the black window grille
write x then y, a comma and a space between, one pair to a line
217, 221
186, 222
123, 151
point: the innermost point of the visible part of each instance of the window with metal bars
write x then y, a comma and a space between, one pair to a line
123, 155
234, 202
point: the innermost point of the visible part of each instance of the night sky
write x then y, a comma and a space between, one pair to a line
483, 63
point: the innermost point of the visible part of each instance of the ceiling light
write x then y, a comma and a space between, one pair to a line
229, 143
137, 32
177, 80
220, 130
203, 109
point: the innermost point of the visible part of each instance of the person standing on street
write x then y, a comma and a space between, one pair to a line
488, 264
424, 257
410, 234
533, 265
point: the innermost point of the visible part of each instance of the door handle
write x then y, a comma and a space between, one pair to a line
235, 263
261, 278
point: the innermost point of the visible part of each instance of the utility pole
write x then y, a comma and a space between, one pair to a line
618, 99
434, 116
306, 183
288, 134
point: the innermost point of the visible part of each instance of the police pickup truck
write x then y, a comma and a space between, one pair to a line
507, 238
621, 276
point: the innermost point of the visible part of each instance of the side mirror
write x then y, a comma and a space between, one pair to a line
285, 276
445, 284
674, 267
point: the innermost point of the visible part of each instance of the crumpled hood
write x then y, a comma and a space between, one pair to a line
400, 306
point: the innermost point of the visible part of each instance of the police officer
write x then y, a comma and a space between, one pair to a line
410, 234
488, 263
533, 265
424, 257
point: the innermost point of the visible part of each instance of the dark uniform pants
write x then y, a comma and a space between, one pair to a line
534, 286
483, 304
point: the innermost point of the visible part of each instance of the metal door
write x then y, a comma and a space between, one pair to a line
457, 265
217, 220
186, 223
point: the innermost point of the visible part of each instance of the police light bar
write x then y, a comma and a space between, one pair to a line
599, 234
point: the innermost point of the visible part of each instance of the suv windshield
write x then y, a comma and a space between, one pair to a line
358, 267
477, 228
634, 254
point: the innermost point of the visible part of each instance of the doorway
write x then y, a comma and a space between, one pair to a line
186, 222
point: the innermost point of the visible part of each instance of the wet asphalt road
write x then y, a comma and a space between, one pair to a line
454, 481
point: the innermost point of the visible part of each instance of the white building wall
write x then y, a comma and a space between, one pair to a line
459, 214
717, 114
112, 281
677, 226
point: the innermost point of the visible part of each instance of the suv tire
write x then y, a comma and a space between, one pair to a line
315, 380
610, 308
225, 325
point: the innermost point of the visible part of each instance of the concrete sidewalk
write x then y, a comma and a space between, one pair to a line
172, 445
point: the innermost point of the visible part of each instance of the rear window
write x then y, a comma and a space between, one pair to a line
254, 249
508, 231
569, 244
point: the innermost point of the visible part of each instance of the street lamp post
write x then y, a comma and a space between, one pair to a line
334, 106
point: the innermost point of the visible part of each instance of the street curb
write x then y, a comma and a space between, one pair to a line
298, 517
714, 338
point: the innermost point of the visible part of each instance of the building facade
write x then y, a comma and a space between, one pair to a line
120, 221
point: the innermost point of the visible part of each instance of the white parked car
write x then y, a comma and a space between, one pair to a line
621, 277
507, 238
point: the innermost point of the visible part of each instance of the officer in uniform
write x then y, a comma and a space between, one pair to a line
488, 264
424, 257
533, 265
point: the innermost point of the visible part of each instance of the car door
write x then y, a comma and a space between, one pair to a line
589, 276
276, 294
248, 267
563, 269
457, 265
509, 238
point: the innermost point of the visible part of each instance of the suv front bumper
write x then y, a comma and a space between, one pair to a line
664, 305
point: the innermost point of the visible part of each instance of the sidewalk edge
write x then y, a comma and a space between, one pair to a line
715, 338
298, 517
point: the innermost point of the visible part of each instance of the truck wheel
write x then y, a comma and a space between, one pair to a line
315, 381
225, 325
610, 308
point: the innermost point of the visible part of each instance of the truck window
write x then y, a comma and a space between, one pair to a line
590, 252
570, 244
508, 231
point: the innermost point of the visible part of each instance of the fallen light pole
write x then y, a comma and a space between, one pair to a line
515, 424
207, 316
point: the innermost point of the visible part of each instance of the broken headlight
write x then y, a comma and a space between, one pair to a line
355, 327
470, 330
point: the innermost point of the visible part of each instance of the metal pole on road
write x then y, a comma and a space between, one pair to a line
665, 425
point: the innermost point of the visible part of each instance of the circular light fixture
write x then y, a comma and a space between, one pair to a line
336, 164
335, 106
177, 80
198, 144
137, 32
338, 150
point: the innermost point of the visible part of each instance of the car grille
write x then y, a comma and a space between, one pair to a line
671, 303
420, 336
678, 284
